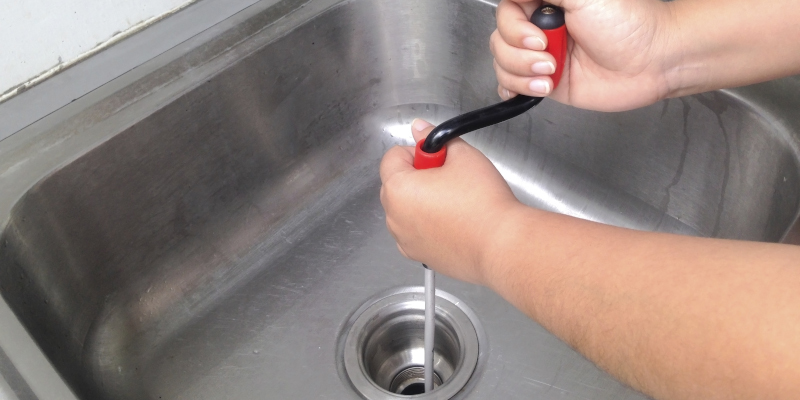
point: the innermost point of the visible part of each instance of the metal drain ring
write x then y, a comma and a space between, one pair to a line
460, 345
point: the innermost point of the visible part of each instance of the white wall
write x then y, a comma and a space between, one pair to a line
40, 37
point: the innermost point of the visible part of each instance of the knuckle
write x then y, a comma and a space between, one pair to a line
493, 40
390, 226
389, 193
402, 252
382, 196
502, 77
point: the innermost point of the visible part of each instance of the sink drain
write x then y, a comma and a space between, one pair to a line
384, 347
412, 381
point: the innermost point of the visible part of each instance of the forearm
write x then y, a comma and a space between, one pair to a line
726, 43
673, 316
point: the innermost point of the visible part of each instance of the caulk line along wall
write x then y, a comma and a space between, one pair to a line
38, 38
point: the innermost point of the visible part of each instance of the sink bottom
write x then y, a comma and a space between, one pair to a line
264, 322
294, 315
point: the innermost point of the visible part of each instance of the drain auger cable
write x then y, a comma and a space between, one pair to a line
431, 151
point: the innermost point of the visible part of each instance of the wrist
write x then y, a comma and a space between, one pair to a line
498, 251
680, 74
703, 52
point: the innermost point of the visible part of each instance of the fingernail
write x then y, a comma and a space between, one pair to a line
543, 67
420, 124
540, 86
506, 94
533, 43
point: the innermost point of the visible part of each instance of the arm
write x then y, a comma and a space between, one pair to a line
673, 316
626, 54
727, 43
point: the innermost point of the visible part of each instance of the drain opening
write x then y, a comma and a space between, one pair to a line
384, 349
411, 381
393, 345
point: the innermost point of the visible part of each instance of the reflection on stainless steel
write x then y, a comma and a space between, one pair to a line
206, 231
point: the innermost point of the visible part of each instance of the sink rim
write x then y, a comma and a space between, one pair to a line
42, 140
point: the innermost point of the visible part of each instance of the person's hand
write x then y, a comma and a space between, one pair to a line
445, 217
618, 56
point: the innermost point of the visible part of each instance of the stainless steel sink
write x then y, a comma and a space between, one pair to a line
207, 229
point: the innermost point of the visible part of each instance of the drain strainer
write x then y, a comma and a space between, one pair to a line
412, 381
384, 348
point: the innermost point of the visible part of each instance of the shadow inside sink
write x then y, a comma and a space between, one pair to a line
214, 248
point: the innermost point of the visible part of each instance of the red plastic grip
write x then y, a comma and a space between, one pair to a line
423, 160
557, 46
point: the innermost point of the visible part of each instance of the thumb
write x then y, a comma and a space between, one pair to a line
420, 129
397, 159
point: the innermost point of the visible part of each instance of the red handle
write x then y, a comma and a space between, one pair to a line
423, 160
550, 19
557, 46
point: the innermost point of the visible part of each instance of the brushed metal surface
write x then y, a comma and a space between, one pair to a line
206, 231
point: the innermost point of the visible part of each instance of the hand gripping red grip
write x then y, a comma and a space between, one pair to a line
550, 19
423, 160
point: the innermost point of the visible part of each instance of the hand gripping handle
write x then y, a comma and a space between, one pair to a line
550, 19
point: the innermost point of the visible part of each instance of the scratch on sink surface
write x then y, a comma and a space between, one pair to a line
536, 382
502, 370
288, 289
596, 388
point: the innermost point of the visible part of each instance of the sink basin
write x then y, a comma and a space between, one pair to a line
208, 229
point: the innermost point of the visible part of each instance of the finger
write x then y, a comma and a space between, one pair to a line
567, 4
397, 159
538, 86
504, 93
514, 26
420, 129
390, 228
382, 197
521, 62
